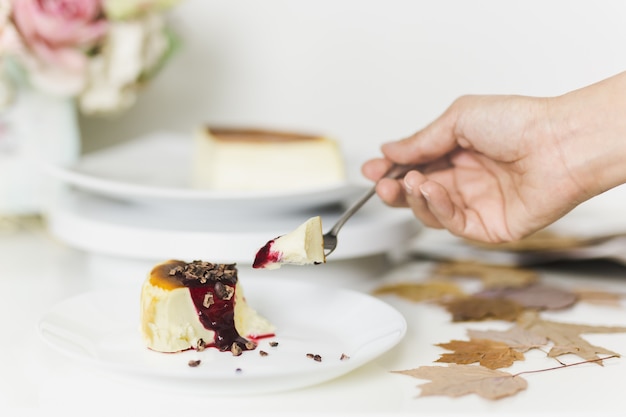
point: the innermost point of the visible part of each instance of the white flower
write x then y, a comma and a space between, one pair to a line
132, 49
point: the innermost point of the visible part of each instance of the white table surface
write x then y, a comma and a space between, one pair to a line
37, 271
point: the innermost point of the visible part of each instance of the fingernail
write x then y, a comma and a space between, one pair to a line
425, 193
407, 187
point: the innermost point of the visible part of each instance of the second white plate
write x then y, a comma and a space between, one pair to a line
155, 169
102, 328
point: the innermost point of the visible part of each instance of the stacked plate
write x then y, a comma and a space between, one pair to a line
135, 200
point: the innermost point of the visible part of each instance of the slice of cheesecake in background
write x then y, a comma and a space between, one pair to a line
256, 159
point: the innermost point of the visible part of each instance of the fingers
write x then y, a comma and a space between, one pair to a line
417, 200
442, 211
431, 143
391, 192
439, 208
374, 169
406, 192
431, 204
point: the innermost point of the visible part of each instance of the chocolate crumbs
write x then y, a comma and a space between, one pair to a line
200, 345
224, 292
236, 349
208, 300
194, 362
201, 272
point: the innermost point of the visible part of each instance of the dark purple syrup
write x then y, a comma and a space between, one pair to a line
213, 290
265, 256
219, 317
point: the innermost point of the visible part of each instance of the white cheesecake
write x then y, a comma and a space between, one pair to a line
303, 246
262, 160
197, 305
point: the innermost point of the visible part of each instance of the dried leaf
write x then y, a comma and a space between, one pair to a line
479, 308
566, 336
424, 291
458, 380
515, 337
539, 296
489, 353
600, 297
543, 240
491, 276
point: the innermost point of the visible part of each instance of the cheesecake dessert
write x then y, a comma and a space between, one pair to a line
196, 305
262, 160
303, 246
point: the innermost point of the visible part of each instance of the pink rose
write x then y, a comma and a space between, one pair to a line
58, 32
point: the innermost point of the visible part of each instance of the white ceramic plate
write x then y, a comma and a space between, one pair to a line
156, 168
102, 328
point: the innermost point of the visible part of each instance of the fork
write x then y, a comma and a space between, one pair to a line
330, 237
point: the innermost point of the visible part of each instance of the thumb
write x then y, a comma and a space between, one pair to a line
426, 145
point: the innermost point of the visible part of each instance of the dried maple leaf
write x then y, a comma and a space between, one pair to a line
566, 336
515, 337
458, 380
491, 276
600, 297
543, 240
489, 353
539, 296
479, 308
424, 291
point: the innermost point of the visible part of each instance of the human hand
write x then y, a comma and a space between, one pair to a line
495, 169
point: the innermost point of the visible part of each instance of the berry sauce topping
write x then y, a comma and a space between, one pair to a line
212, 288
266, 256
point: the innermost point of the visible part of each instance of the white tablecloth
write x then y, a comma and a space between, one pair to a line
38, 272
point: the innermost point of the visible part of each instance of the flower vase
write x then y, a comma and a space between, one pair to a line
36, 130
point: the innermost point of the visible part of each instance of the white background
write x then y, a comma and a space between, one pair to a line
365, 71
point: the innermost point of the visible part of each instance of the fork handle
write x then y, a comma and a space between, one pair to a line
395, 171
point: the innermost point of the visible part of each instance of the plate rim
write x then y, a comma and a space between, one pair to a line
112, 188
71, 174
